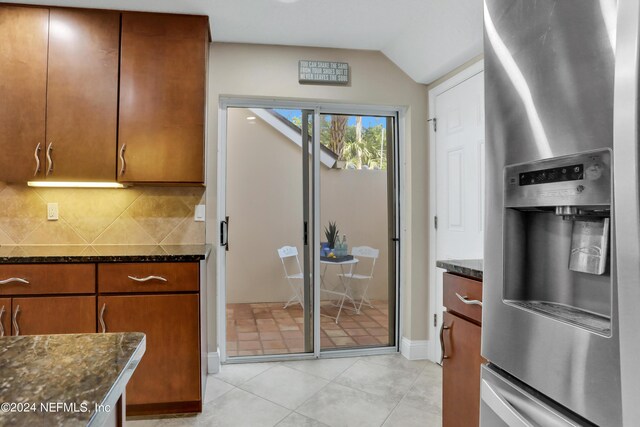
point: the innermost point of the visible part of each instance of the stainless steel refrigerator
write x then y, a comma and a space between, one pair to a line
561, 314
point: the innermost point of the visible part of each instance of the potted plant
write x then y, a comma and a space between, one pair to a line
331, 233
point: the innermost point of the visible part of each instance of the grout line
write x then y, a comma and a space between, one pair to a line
124, 210
174, 229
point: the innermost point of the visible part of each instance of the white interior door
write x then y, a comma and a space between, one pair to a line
459, 174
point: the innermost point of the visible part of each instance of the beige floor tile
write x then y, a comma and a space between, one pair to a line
296, 420
409, 416
328, 369
383, 381
240, 373
215, 388
340, 406
239, 408
285, 386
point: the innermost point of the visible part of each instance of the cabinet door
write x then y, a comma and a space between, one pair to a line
461, 373
54, 315
162, 98
5, 316
82, 95
169, 370
23, 91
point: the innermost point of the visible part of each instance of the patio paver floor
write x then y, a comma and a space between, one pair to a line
255, 329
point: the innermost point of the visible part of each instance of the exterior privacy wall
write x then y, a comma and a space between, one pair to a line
264, 202
271, 72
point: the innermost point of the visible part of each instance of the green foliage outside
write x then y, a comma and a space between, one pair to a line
363, 154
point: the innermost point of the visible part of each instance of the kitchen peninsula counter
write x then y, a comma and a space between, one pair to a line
102, 253
67, 380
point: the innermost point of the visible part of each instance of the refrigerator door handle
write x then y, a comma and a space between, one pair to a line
501, 407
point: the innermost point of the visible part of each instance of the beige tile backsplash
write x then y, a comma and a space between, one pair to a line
138, 215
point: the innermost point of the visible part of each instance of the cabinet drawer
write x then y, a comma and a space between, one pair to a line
148, 277
43, 279
455, 288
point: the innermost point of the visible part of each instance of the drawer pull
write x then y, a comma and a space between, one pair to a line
146, 279
443, 350
469, 301
13, 279
102, 324
15, 321
1, 325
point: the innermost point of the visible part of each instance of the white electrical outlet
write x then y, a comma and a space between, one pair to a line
52, 211
199, 213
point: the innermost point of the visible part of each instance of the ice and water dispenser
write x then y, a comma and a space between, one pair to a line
556, 249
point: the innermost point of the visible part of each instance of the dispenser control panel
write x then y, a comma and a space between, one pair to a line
545, 176
582, 179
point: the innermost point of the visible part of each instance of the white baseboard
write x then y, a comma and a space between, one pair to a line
213, 362
414, 350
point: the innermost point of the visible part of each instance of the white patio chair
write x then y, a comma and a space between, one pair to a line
285, 253
366, 279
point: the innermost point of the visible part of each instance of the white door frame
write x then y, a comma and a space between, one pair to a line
435, 294
318, 107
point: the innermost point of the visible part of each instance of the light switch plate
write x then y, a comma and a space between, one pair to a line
52, 211
199, 213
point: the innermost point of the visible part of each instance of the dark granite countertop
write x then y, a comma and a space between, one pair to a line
81, 370
102, 253
466, 267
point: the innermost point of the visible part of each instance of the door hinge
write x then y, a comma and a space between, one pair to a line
435, 320
435, 123
435, 222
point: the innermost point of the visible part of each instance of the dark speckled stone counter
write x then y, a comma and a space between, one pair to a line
465, 267
81, 370
102, 253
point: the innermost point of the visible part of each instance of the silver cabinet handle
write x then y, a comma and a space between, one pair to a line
102, 324
14, 279
146, 279
49, 160
1, 325
443, 352
469, 301
123, 162
16, 328
36, 154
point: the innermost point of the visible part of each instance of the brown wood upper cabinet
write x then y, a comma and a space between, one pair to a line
162, 98
24, 32
82, 95
59, 94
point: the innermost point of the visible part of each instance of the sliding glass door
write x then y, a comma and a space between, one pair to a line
359, 235
266, 232
309, 232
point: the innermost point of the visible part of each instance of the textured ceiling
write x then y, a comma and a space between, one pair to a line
425, 38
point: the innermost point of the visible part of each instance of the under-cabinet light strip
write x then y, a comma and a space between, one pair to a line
70, 184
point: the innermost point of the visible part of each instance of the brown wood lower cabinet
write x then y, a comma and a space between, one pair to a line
54, 315
5, 315
168, 377
461, 372
460, 338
